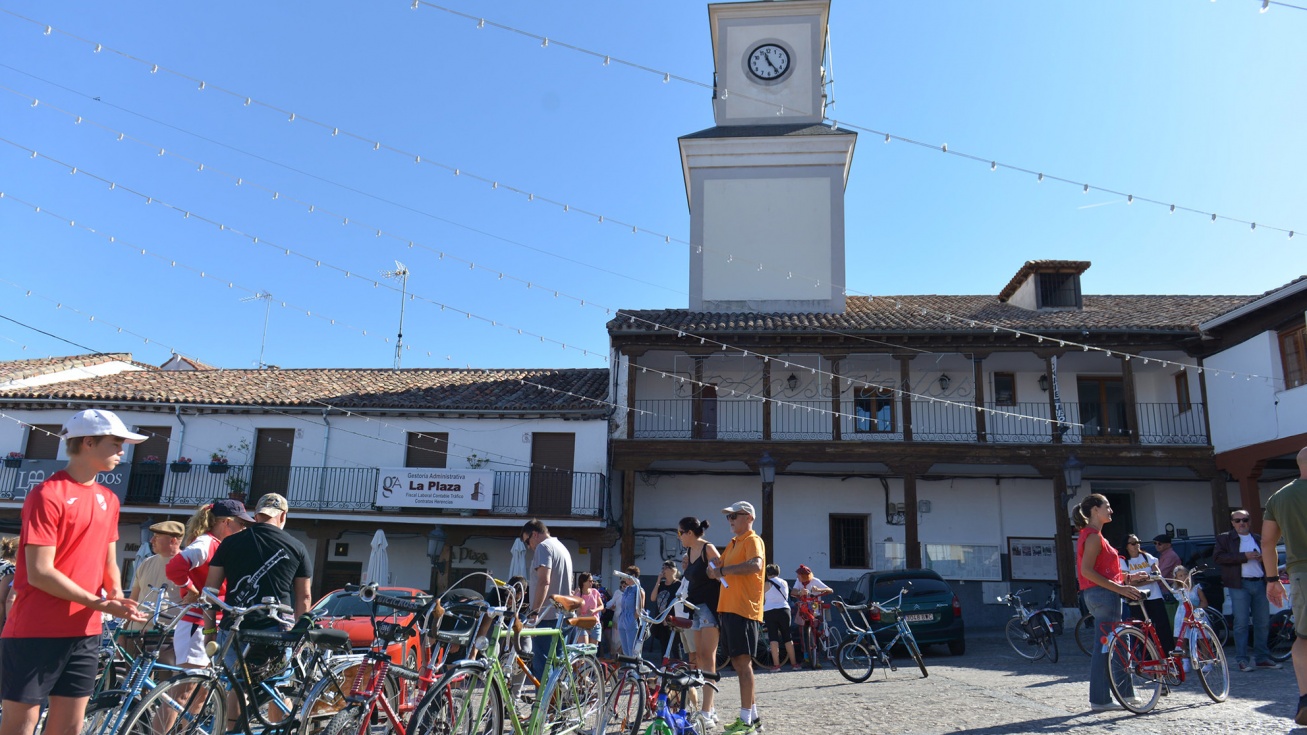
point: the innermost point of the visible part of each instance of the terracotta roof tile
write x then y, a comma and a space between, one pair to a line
945, 314
436, 390
24, 369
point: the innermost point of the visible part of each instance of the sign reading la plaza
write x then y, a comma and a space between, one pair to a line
420, 487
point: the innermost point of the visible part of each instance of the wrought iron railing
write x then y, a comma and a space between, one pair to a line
346, 488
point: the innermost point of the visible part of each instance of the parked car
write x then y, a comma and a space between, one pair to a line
345, 611
931, 608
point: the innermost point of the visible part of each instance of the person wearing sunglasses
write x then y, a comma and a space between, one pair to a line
1138, 565
1239, 555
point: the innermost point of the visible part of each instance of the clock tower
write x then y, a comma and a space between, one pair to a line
766, 184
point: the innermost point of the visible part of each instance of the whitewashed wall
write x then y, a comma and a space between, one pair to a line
1245, 412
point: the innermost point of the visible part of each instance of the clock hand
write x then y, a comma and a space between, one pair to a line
766, 55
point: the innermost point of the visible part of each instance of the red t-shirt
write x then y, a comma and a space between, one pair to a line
80, 521
1107, 564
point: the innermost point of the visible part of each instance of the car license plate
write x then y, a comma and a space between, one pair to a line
919, 617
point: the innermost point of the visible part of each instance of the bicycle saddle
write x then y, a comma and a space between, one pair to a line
274, 636
584, 622
566, 602
847, 606
329, 638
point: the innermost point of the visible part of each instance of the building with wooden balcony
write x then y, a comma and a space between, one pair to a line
328, 440
886, 431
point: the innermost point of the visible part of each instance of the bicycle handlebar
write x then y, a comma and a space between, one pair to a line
269, 605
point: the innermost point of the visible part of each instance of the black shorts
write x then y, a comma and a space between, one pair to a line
778, 624
37, 668
739, 633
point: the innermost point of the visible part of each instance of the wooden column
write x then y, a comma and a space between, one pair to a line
1250, 497
1068, 582
1207, 415
628, 518
1131, 403
1220, 503
978, 372
696, 407
911, 533
836, 423
767, 404
630, 396
905, 385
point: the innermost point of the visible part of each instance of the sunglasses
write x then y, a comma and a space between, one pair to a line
1132, 543
733, 516
1240, 520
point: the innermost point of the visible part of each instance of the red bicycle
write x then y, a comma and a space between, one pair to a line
1138, 668
818, 638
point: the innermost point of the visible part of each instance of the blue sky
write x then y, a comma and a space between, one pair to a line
1187, 101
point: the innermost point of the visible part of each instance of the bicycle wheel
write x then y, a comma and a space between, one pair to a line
1133, 665
586, 697
347, 721
723, 661
810, 646
463, 702
195, 704
1282, 636
624, 710
1018, 636
327, 696
1050, 648
1207, 658
1086, 634
1218, 624
911, 644
855, 660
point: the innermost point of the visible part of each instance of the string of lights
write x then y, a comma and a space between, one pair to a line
680, 333
417, 157
582, 301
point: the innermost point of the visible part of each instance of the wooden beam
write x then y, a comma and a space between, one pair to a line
766, 404
628, 518
1131, 400
630, 397
905, 384
978, 373
911, 531
836, 427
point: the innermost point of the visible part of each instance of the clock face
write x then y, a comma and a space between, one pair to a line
769, 61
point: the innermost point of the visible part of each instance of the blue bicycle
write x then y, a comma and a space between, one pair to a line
667, 722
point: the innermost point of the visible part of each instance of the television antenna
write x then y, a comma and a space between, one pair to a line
265, 297
400, 272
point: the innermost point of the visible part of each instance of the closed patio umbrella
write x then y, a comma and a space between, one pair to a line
517, 566
378, 569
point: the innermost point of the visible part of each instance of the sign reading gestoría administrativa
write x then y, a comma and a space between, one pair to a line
421, 487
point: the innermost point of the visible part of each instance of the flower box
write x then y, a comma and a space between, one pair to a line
13, 462
180, 466
218, 468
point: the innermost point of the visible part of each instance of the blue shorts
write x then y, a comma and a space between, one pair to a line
703, 618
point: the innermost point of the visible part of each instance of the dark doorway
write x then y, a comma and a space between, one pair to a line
1102, 407
552, 458
707, 426
1123, 520
337, 574
271, 471
145, 485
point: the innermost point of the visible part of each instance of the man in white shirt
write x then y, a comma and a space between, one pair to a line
1239, 555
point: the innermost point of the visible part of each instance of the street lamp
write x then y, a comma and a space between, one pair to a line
767, 471
1073, 471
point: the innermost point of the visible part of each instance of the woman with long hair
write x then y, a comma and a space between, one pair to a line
1138, 565
592, 603
702, 592
1098, 568
206, 528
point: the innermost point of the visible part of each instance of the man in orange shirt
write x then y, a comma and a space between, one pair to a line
739, 609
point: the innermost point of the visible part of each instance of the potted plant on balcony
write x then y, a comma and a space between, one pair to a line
14, 459
218, 463
150, 465
236, 487
181, 464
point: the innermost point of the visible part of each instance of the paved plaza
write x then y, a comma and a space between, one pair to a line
991, 690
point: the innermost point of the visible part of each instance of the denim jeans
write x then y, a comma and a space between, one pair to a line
1251, 600
1105, 606
540, 649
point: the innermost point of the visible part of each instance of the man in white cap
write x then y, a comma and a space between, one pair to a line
739, 608
67, 575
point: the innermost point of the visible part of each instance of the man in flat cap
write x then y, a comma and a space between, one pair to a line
165, 542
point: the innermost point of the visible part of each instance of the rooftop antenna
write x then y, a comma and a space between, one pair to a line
400, 272
265, 297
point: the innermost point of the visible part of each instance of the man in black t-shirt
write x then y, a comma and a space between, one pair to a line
264, 561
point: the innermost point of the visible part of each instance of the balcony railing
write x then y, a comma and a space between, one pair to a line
932, 421
550, 494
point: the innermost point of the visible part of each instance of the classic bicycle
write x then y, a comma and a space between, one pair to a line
1138, 669
860, 650
679, 722
1282, 636
1032, 631
636, 686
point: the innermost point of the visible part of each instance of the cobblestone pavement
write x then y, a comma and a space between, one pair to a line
992, 690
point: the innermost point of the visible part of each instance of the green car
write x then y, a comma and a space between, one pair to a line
931, 608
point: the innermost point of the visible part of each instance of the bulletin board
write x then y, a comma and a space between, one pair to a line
1032, 558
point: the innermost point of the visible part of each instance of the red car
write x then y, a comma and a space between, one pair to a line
347, 612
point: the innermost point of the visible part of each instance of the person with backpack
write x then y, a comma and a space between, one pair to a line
776, 616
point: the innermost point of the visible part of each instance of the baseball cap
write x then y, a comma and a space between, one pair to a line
803, 569
271, 504
1161, 538
94, 422
169, 528
741, 507
228, 508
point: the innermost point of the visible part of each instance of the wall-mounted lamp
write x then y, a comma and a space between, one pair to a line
1043, 383
792, 381
945, 381
436, 542
1073, 472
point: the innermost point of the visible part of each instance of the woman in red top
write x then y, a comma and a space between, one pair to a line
1098, 568
207, 527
